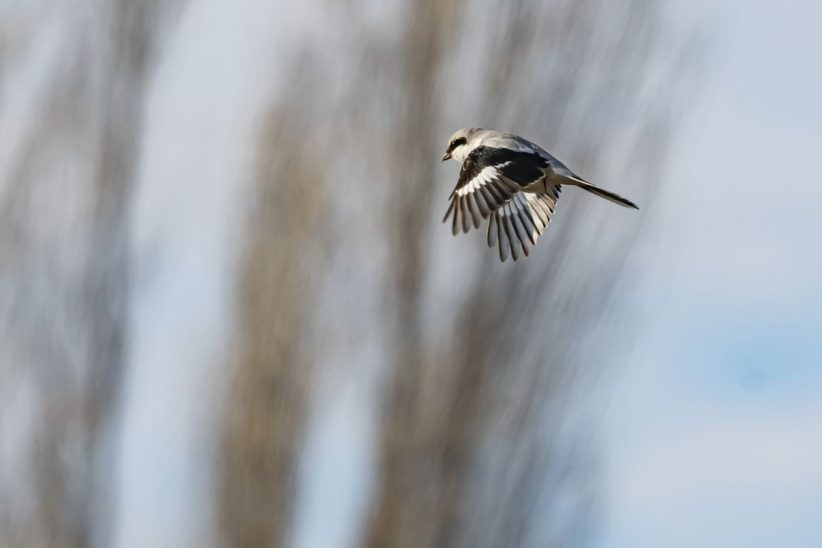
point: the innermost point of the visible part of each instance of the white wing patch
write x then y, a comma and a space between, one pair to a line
484, 177
474, 201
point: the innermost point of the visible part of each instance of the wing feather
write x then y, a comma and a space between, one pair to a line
491, 186
492, 231
488, 179
509, 231
519, 229
521, 221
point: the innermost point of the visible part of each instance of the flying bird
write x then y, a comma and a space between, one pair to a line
512, 182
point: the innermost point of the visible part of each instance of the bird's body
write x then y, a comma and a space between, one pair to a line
512, 182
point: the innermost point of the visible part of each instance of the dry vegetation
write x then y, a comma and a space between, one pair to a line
473, 441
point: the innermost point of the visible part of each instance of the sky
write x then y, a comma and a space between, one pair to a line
182, 303
714, 433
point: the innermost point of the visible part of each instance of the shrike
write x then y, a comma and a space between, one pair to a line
513, 182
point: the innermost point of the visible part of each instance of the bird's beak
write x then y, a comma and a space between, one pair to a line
447, 156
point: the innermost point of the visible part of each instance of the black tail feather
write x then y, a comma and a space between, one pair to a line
601, 192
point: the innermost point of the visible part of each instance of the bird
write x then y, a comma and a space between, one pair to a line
512, 182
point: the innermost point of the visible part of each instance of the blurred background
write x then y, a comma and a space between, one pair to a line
230, 316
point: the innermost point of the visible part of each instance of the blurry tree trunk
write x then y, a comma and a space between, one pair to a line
265, 411
64, 264
474, 443
465, 459
403, 512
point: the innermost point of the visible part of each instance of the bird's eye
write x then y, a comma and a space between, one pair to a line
456, 142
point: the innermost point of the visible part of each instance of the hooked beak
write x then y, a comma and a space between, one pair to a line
447, 156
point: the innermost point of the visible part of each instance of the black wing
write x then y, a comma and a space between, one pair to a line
488, 179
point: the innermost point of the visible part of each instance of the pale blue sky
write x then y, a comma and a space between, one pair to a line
715, 433
713, 437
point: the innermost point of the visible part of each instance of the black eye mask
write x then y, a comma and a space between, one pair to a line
457, 142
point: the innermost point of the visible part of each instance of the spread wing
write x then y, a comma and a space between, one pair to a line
489, 178
521, 221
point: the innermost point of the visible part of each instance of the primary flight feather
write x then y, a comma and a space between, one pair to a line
513, 183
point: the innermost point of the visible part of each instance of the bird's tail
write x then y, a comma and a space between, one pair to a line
601, 192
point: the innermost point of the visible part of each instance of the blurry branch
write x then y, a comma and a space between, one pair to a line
477, 440
402, 513
474, 475
64, 269
474, 439
265, 412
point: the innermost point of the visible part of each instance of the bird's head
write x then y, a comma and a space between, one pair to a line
460, 144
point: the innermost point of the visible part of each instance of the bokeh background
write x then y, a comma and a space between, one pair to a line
230, 316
